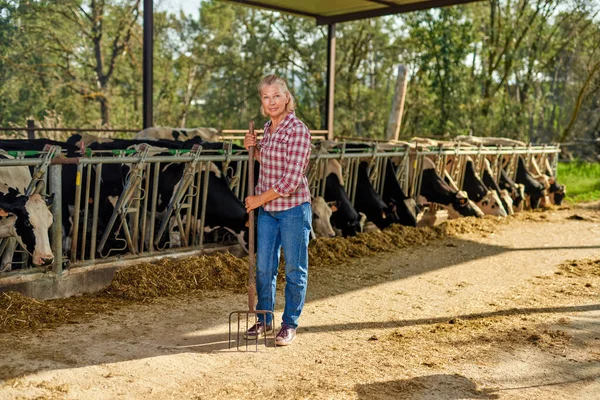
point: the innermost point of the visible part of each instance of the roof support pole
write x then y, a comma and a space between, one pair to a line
148, 68
330, 80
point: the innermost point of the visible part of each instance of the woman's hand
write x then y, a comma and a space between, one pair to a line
253, 202
249, 140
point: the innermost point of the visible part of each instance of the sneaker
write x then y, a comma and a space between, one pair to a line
286, 335
257, 330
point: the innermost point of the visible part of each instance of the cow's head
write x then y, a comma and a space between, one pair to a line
462, 206
508, 201
428, 217
353, 226
490, 204
321, 214
518, 196
28, 219
536, 196
557, 192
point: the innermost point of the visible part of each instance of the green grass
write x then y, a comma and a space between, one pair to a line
582, 180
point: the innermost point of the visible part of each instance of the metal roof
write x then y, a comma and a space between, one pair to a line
334, 11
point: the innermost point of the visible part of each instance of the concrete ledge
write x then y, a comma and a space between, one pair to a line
88, 279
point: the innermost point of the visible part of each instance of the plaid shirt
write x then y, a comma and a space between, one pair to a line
284, 156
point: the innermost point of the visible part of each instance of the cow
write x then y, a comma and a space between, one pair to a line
69, 175
83, 140
393, 195
490, 182
435, 190
556, 191
369, 202
534, 190
345, 218
181, 134
23, 217
516, 191
487, 200
223, 210
321, 217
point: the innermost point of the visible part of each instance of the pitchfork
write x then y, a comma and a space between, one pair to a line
252, 312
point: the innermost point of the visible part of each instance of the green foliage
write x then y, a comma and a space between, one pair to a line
582, 180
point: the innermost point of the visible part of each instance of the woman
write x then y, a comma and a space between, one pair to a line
283, 202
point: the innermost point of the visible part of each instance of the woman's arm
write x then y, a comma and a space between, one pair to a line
253, 202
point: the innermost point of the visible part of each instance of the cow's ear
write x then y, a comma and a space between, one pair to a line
334, 205
50, 200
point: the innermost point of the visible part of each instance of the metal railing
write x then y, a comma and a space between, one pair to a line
142, 230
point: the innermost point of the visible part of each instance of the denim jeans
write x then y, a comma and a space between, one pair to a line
290, 230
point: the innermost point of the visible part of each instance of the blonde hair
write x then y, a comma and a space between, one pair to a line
272, 80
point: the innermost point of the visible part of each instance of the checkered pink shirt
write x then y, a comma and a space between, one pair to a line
284, 156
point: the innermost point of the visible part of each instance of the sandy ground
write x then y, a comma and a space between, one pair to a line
480, 316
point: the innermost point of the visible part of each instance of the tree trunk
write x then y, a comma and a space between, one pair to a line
105, 111
395, 120
577, 108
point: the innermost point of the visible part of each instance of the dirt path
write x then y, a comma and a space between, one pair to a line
478, 317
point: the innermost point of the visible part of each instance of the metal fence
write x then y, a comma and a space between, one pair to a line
144, 231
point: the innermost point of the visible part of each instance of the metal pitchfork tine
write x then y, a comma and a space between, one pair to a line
251, 271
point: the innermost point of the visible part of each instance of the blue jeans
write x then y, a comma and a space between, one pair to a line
289, 229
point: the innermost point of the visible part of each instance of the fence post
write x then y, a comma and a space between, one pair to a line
30, 129
56, 208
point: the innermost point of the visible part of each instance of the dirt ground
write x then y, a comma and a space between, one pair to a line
502, 315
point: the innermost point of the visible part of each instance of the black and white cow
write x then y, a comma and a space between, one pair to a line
182, 134
69, 174
393, 195
516, 191
24, 218
435, 190
487, 200
369, 202
490, 182
533, 188
345, 218
556, 191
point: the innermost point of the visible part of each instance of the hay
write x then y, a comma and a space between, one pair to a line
18, 312
584, 268
330, 252
169, 277
137, 284
462, 226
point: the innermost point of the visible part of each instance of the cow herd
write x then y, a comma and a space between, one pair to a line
198, 202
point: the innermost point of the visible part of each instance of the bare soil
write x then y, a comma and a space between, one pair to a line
506, 313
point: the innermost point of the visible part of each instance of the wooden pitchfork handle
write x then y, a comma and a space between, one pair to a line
251, 253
